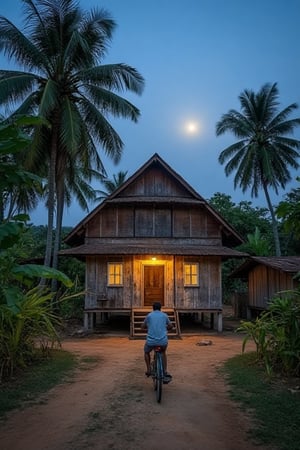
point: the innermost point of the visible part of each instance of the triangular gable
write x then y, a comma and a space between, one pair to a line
156, 162
180, 188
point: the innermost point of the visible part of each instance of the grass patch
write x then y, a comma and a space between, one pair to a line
26, 388
271, 402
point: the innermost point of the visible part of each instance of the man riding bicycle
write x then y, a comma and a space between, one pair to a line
157, 324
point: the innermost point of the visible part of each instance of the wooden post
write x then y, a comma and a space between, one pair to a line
220, 322
86, 321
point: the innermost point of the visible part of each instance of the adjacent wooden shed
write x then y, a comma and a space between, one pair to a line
267, 277
154, 238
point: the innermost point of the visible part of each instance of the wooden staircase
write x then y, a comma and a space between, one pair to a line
137, 318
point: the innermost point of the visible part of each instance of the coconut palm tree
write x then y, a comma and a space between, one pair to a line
65, 81
75, 183
16, 198
264, 152
112, 184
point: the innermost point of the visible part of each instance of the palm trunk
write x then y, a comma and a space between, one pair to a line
1, 208
274, 221
51, 199
59, 216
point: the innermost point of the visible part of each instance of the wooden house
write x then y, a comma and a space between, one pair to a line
154, 239
267, 276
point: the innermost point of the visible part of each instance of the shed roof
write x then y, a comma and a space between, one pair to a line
289, 264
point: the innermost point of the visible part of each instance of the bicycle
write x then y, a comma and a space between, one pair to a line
157, 372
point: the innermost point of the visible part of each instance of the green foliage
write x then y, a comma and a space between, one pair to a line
264, 152
289, 211
24, 323
19, 189
14, 275
75, 269
65, 81
25, 273
256, 244
35, 380
231, 285
243, 216
273, 404
27, 320
112, 184
276, 334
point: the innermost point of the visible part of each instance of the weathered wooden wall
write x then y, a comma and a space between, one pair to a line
154, 183
154, 210
207, 295
266, 282
153, 222
98, 293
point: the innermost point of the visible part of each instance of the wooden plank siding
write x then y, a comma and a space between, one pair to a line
154, 218
154, 183
265, 283
154, 222
207, 295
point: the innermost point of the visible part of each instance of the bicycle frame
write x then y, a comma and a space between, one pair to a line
157, 370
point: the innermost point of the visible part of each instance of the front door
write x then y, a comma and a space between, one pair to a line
153, 285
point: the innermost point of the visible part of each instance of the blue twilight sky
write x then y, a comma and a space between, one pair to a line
196, 56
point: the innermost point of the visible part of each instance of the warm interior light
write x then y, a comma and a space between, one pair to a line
153, 259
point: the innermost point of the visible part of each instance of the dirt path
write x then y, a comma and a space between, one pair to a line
112, 405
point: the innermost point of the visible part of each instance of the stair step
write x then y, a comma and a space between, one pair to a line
138, 317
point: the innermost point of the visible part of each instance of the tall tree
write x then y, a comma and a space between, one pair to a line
289, 211
111, 184
243, 216
17, 197
262, 156
74, 182
62, 49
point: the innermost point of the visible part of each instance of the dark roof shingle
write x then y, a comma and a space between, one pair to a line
290, 264
135, 249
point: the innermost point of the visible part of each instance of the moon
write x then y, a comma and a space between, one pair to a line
192, 127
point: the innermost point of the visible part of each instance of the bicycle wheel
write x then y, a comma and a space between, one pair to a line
159, 376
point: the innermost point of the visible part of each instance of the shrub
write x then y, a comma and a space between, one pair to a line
276, 334
26, 327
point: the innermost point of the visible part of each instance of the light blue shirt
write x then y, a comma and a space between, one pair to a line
157, 322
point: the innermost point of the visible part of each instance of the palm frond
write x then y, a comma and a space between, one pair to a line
279, 124
117, 77
102, 131
70, 126
236, 123
14, 85
97, 28
231, 150
50, 98
20, 48
110, 103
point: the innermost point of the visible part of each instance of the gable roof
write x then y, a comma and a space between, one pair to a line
76, 236
288, 264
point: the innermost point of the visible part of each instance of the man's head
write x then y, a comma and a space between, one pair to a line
156, 306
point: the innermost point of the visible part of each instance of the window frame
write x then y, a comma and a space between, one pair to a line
191, 274
115, 274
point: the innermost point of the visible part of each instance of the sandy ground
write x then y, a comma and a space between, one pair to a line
112, 405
